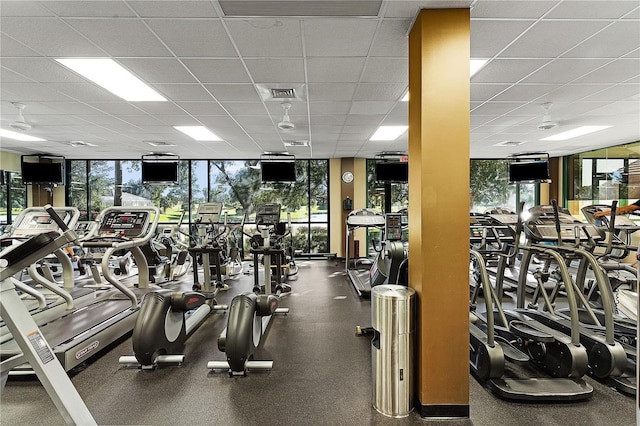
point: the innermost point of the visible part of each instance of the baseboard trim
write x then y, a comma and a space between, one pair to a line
444, 411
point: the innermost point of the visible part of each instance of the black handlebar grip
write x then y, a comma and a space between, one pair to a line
556, 217
519, 222
612, 220
49, 209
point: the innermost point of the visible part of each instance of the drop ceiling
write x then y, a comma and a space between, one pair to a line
217, 61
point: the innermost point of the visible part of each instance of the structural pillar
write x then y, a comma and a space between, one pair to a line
439, 208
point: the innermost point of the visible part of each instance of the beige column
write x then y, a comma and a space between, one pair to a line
439, 208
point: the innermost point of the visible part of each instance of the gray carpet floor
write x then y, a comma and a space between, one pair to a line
321, 376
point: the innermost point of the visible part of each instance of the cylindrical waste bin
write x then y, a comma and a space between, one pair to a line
392, 319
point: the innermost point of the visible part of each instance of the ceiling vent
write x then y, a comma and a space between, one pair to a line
283, 93
509, 143
296, 143
159, 143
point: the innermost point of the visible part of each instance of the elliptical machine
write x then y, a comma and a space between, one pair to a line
250, 313
167, 318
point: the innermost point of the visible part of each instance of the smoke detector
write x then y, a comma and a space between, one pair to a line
20, 124
547, 123
286, 123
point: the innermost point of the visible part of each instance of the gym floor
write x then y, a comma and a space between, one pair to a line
321, 376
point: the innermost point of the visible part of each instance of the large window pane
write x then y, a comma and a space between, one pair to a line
77, 193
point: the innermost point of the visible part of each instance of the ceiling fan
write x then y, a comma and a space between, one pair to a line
20, 123
286, 123
547, 122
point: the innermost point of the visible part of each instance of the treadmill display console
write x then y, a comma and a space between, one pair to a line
209, 212
124, 223
393, 226
38, 222
268, 214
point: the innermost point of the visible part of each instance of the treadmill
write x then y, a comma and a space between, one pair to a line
358, 269
34, 221
81, 334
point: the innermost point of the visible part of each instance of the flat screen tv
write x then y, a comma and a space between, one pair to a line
160, 172
387, 171
278, 171
42, 173
529, 171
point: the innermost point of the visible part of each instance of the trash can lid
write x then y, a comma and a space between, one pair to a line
392, 291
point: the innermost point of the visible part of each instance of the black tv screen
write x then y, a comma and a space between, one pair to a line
160, 172
41, 173
392, 172
278, 171
529, 171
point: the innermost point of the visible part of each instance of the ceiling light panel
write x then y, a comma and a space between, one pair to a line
113, 77
199, 133
19, 136
574, 133
388, 133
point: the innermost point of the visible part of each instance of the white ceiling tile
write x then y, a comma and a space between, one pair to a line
507, 70
331, 91
138, 120
560, 36
167, 108
173, 9
564, 70
331, 120
183, 92
245, 108
12, 77
266, 37
217, 121
617, 108
326, 37
322, 107
84, 92
49, 35
107, 8
386, 70
194, 38
234, 92
484, 92
25, 92
615, 93
254, 120
391, 38
73, 108
109, 36
510, 9
25, 9
199, 108
276, 70
616, 71
44, 70
334, 70
218, 70
120, 107
525, 93
158, 71
485, 44
573, 92
592, 9
370, 107
616, 40
496, 108
358, 120
379, 92
11, 47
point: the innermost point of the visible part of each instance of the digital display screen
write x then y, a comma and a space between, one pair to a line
529, 171
161, 172
40, 173
392, 172
278, 171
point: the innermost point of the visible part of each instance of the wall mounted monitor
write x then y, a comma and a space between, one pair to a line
42, 173
390, 172
529, 171
278, 171
160, 172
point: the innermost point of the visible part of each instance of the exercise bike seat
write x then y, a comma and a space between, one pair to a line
526, 331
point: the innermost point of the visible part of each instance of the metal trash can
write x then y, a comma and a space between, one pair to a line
392, 319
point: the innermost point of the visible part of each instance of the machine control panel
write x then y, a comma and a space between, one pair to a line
393, 226
35, 221
130, 224
209, 212
268, 214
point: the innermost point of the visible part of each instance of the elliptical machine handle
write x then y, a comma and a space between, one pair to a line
50, 210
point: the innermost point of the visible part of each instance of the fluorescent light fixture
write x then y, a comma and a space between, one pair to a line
476, 65
113, 77
19, 136
199, 133
388, 133
578, 131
